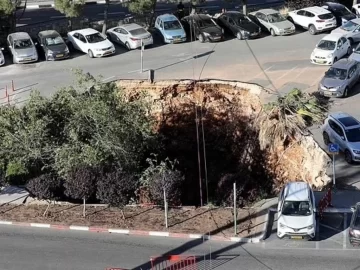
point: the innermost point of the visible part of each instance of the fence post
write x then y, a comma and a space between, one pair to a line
235, 211
12, 86
166, 209
7, 94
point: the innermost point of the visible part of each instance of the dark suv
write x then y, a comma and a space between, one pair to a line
341, 13
354, 228
53, 45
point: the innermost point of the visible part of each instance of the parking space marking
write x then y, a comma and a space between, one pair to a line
57, 17
301, 72
286, 73
345, 231
331, 228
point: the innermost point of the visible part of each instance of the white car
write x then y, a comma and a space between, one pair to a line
330, 48
296, 211
315, 19
2, 58
91, 42
350, 30
130, 35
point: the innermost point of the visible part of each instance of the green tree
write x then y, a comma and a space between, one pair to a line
8, 8
143, 7
70, 8
106, 11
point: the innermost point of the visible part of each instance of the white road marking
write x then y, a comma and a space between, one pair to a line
57, 17
301, 72
331, 228
345, 231
286, 73
112, 13
25, 19
317, 80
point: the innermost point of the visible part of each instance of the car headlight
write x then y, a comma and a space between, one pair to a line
222, 30
67, 50
330, 55
50, 52
245, 32
282, 225
206, 34
310, 227
356, 151
292, 27
321, 86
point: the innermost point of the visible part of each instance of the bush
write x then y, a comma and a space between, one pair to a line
81, 183
116, 188
45, 187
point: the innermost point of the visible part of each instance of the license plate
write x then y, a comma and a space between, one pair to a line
296, 237
27, 59
177, 39
320, 61
330, 24
59, 55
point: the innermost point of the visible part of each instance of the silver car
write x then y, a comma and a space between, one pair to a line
273, 22
350, 30
340, 78
22, 48
344, 130
356, 54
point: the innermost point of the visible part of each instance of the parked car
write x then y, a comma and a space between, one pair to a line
341, 13
170, 28
202, 27
329, 49
130, 36
273, 22
2, 58
315, 19
354, 228
344, 130
340, 78
296, 211
22, 48
351, 30
356, 9
356, 54
238, 25
53, 45
91, 42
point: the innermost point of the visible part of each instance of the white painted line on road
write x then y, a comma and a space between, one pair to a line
195, 236
6, 223
301, 72
40, 225
317, 80
119, 231
286, 73
57, 17
112, 13
25, 19
309, 248
79, 228
345, 231
165, 234
331, 228
268, 68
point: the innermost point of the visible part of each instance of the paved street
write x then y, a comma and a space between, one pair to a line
33, 249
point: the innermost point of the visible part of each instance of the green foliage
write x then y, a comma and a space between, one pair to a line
45, 187
8, 7
81, 183
141, 6
16, 169
70, 8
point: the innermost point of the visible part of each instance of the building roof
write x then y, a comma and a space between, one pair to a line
316, 10
49, 33
297, 191
344, 63
167, 17
20, 35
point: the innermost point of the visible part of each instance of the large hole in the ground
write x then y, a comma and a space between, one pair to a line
220, 118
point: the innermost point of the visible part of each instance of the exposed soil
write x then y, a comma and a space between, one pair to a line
217, 221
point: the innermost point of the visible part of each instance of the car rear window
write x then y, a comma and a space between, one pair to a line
138, 31
325, 16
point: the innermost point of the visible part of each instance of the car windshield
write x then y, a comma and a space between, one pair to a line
276, 17
22, 44
205, 22
342, 11
94, 38
327, 45
172, 25
50, 41
336, 73
138, 31
349, 26
353, 135
296, 208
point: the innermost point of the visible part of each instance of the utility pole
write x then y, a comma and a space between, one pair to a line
198, 153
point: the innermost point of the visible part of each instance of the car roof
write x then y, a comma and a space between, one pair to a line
86, 31
19, 35
167, 17
130, 26
334, 5
297, 191
316, 10
49, 33
267, 11
333, 36
346, 120
344, 63
200, 16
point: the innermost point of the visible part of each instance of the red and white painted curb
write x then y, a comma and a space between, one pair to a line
134, 232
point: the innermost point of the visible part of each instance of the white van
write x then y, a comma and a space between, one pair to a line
296, 211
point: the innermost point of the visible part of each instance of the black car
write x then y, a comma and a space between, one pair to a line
239, 25
341, 13
53, 45
354, 228
202, 27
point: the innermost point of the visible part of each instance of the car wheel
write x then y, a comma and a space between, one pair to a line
346, 92
91, 54
326, 139
312, 29
349, 51
348, 157
351, 41
201, 38
127, 45
239, 36
272, 32
71, 47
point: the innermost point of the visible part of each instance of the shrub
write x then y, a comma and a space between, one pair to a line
81, 183
45, 187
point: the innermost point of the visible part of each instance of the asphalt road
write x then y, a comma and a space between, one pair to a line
34, 249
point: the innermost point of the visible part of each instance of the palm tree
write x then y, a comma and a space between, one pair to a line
289, 117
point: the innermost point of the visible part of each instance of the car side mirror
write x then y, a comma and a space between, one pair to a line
352, 208
36, 43
42, 45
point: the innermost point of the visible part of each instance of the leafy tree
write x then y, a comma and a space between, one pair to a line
80, 183
8, 8
288, 117
45, 187
16, 173
160, 176
70, 8
106, 11
143, 7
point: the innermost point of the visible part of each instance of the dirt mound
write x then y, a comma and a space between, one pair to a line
219, 116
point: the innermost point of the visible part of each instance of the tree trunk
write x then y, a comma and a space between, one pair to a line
107, 3
84, 209
244, 3
152, 14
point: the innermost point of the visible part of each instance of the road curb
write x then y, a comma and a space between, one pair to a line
131, 232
